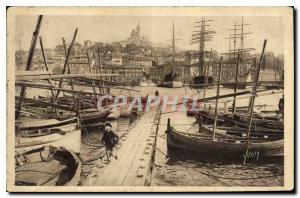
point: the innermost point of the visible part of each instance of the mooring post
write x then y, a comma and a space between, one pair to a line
169, 125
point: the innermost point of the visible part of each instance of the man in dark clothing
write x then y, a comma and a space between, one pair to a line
110, 139
281, 105
156, 93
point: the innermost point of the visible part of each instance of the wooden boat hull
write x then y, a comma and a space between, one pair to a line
34, 168
199, 82
173, 84
70, 140
144, 84
204, 117
222, 149
93, 117
33, 133
232, 86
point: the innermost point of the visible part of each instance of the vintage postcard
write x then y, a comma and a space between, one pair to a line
150, 99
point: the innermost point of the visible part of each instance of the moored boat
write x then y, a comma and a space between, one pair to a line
202, 81
36, 133
92, 116
47, 166
226, 147
173, 84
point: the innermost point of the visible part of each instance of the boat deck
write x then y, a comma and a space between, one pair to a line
135, 154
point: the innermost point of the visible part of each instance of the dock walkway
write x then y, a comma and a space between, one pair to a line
132, 168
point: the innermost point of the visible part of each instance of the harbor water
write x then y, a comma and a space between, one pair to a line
185, 169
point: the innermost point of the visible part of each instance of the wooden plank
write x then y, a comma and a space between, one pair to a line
46, 104
136, 163
31, 76
127, 147
121, 179
52, 87
126, 169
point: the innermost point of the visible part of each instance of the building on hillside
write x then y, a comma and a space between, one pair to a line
144, 62
127, 73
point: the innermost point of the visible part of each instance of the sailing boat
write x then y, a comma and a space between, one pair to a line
203, 79
44, 150
215, 142
241, 77
171, 80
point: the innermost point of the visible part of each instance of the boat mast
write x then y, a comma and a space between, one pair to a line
236, 82
68, 66
206, 73
202, 48
46, 66
100, 68
217, 100
29, 61
90, 69
239, 51
173, 45
252, 99
200, 37
66, 61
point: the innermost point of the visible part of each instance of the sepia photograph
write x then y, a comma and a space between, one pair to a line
150, 99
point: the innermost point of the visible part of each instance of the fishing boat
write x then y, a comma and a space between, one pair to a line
143, 82
47, 166
200, 36
264, 119
227, 147
33, 133
171, 81
92, 115
199, 82
114, 114
234, 85
230, 142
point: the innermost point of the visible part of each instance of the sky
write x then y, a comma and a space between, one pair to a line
157, 28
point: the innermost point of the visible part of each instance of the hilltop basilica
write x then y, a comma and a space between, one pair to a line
136, 38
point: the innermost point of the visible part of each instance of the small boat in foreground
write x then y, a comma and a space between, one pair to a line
47, 166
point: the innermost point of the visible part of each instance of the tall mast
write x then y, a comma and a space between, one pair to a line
68, 54
242, 38
217, 100
35, 36
201, 48
200, 37
252, 99
173, 45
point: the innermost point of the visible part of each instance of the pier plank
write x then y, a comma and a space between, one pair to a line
134, 156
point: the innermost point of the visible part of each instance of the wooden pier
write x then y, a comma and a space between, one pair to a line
135, 156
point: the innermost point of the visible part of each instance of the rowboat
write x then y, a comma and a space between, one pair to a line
224, 147
35, 133
262, 119
91, 116
202, 81
173, 84
47, 166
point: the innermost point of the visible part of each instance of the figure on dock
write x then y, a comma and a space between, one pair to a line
110, 140
156, 93
281, 105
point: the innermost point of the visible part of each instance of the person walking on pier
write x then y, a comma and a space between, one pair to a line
281, 105
156, 93
110, 140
